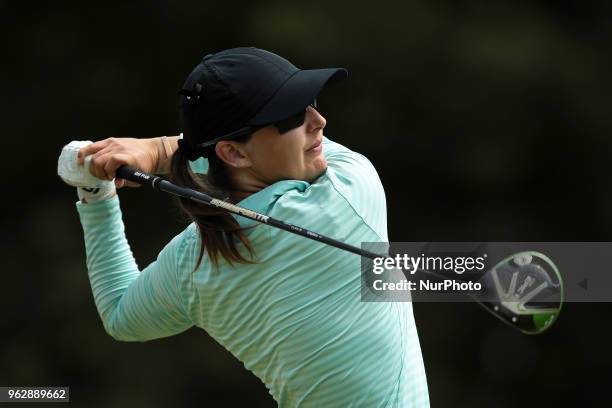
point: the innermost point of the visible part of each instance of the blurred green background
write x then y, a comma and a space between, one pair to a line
487, 121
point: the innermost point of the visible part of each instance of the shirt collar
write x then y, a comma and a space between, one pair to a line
262, 200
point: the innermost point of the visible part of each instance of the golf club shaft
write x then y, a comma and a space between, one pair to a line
158, 183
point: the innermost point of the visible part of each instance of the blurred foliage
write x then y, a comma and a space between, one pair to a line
487, 120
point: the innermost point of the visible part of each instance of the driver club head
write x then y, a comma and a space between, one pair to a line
525, 291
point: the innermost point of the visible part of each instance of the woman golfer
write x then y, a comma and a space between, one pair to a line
289, 308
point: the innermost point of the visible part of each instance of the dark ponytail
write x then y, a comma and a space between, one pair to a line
220, 233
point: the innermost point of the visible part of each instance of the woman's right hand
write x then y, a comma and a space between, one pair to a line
112, 153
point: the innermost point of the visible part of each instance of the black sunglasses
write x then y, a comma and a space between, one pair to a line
283, 126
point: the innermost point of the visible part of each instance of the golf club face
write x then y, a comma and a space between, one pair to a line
528, 290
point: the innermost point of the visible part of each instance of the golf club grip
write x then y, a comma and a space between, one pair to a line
137, 176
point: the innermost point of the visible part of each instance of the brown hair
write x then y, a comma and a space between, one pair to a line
220, 233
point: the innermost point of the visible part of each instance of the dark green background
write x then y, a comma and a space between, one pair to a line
487, 121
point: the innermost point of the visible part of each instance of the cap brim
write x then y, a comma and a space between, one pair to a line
296, 94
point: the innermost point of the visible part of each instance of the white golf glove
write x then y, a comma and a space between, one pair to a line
89, 188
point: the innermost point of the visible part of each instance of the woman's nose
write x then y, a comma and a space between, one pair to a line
315, 120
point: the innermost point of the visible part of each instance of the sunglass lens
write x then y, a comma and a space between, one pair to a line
294, 121
290, 123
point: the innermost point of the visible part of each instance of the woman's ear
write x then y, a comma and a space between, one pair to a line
233, 153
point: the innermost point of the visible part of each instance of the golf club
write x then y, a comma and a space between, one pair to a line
531, 306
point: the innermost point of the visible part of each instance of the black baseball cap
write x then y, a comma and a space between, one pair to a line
246, 86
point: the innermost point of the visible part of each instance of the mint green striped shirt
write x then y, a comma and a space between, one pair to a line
295, 318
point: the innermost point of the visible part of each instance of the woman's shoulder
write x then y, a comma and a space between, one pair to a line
331, 204
351, 171
186, 244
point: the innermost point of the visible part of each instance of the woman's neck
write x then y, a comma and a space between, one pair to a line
245, 183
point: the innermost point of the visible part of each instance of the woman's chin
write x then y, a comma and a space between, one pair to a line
319, 166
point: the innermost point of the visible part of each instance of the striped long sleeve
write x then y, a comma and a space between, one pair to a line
134, 305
